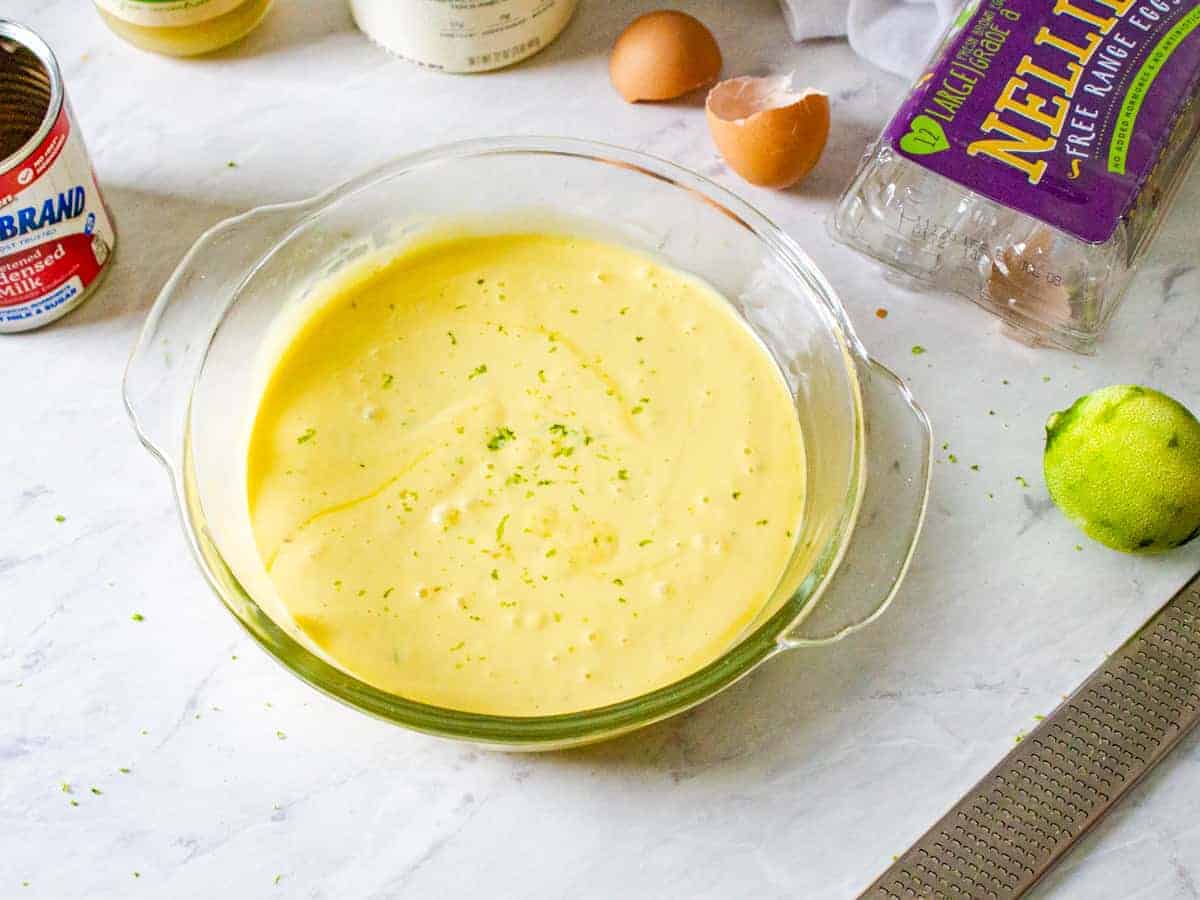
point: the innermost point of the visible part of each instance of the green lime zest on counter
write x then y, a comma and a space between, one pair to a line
309, 434
917, 350
1021, 481
558, 428
952, 458
500, 528
480, 369
277, 879
124, 770
635, 410
97, 791
500, 438
388, 378
495, 574
736, 494
453, 339
138, 617
645, 542
623, 474
975, 468
60, 518
761, 522
618, 582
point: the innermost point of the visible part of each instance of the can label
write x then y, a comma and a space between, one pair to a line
55, 234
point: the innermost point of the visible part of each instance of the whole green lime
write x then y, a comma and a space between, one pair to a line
1124, 464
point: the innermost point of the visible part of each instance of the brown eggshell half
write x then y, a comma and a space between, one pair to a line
769, 134
663, 55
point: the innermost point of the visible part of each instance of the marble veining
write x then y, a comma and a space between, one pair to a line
148, 748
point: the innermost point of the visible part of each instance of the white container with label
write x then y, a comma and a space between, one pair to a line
463, 35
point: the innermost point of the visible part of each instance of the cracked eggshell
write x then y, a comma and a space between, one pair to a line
769, 133
662, 55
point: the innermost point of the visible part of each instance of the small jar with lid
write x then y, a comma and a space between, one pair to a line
182, 27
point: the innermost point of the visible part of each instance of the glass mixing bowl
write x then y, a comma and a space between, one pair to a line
194, 380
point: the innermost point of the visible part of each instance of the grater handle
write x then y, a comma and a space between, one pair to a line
1016, 823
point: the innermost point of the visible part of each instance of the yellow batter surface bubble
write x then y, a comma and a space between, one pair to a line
524, 474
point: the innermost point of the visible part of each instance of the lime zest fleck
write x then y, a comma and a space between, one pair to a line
388, 378
308, 435
500, 438
500, 528
453, 339
138, 617
60, 518
480, 369
918, 350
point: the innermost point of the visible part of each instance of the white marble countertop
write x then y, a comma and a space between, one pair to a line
801, 781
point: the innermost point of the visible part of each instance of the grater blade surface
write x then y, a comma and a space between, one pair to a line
1019, 820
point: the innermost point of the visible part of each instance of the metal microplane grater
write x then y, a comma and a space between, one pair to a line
1013, 826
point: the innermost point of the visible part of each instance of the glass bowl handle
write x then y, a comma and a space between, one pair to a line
166, 360
899, 454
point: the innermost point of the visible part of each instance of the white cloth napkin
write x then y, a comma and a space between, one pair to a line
896, 35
